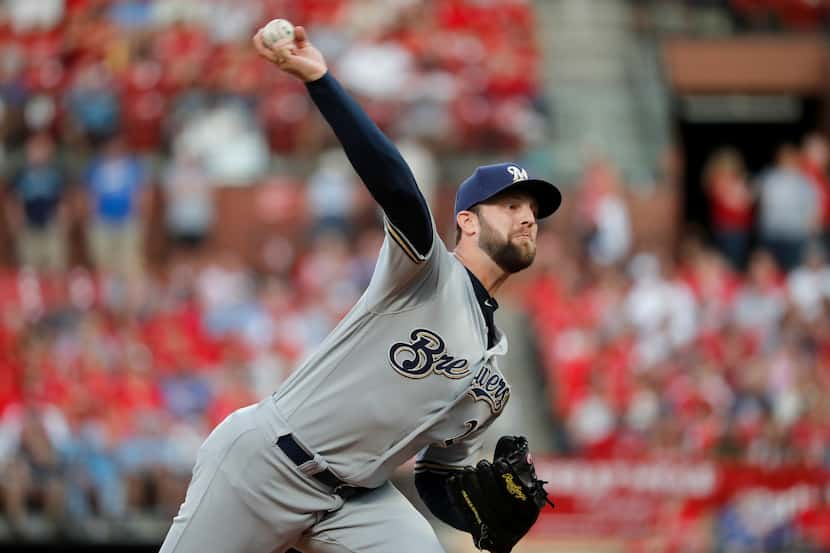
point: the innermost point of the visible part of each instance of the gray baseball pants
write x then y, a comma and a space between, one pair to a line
246, 496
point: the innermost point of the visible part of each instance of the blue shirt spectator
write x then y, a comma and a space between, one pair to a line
39, 185
115, 181
94, 103
131, 14
185, 394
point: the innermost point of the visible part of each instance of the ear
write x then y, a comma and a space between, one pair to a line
467, 222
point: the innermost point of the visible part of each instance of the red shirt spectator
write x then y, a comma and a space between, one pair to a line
730, 200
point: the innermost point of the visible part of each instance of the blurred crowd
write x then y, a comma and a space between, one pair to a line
180, 76
719, 351
104, 104
784, 209
105, 402
111, 374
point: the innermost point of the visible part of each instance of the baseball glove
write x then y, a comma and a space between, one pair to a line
500, 500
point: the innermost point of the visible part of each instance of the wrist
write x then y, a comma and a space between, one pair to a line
316, 76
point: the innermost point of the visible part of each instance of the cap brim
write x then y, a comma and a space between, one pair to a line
548, 197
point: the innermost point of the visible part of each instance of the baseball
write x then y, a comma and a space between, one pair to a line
276, 30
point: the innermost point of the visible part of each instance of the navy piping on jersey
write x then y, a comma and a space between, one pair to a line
377, 162
488, 305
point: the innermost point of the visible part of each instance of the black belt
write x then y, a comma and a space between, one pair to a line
299, 455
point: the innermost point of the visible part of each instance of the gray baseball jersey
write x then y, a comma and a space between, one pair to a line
407, 369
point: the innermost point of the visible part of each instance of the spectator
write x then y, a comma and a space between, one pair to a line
183, 442
37, 211
761, 299
26, 16
142, 458
662, 311
227, 23
189, 202
814, 160
186, 394
34, 473
809, 283
118, 198
424, 166
377, 71
331, 191
93, 103
226, 294
592, 419
94, 484
229, 140
730, 204
789, 209
232, 391
608, 232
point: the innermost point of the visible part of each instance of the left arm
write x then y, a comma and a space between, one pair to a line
432, 488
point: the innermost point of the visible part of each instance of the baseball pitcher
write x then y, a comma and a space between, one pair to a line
412, 370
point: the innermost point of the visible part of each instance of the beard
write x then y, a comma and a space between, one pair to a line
510, 257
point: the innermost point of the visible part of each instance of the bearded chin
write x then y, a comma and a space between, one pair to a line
509, 257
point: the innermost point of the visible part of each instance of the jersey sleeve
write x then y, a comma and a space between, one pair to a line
403, 277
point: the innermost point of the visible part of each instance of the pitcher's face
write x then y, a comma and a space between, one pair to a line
508, 230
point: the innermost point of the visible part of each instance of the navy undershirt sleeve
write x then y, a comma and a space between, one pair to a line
432, 489
376, 160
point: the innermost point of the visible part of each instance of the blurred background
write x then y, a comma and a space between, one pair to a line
180, 228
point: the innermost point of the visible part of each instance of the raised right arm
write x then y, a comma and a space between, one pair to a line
375, 159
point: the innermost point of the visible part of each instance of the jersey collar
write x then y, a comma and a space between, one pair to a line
483, 297
488, 305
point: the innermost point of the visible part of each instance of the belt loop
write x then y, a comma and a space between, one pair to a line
314, 465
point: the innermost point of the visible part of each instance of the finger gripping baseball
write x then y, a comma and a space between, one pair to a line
500, 500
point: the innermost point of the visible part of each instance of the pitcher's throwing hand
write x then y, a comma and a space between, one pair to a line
295, 56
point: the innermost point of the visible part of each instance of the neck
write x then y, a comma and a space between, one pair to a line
483, 267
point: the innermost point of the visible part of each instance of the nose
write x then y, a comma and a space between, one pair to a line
526, 216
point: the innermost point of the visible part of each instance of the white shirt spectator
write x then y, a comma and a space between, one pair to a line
28, 15
643, 409
11, 426
224, 284
663, 312
592, 420
612, 240
189, 205
227, 22
759, 310
235, 150
809, 285
379, 71
788, 204
424, 167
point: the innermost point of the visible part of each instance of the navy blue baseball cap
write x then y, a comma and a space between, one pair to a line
489, 180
